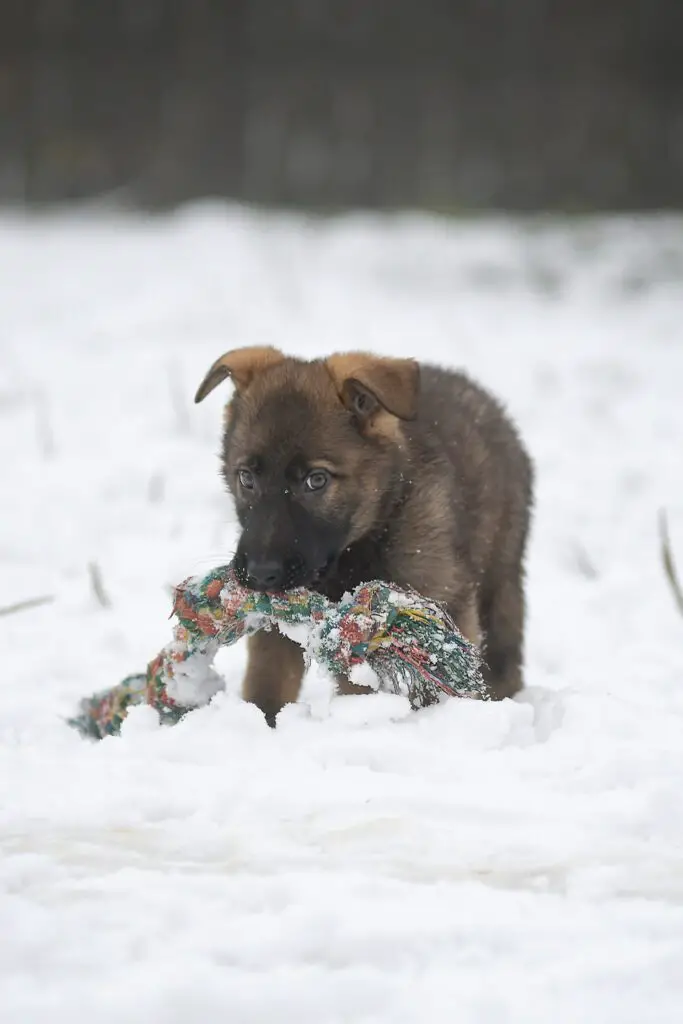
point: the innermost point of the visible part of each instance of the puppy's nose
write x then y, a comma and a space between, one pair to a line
267, 575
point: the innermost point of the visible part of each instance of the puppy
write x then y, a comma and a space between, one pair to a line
357, 467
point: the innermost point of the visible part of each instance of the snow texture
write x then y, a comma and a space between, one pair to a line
474, 863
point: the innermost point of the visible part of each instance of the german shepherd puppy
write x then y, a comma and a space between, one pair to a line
358, 467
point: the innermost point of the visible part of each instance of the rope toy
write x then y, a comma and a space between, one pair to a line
411, 644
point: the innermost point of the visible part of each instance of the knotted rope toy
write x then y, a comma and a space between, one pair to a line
411, 644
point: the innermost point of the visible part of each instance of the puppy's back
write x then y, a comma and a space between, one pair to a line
464, 431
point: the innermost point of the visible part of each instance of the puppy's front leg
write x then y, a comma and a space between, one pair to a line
274, 673
345, 687
465, 614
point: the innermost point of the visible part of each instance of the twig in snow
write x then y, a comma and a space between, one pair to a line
24, 606
668, 562
97, 585
584, 563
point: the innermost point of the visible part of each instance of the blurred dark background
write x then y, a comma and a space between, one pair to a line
569, 105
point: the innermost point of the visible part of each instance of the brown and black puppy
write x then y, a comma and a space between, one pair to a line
358, 467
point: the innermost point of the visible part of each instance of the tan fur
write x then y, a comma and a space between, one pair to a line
227, 415
393, 381
384, 425
429, 476
274, 672
241, 365
346, 688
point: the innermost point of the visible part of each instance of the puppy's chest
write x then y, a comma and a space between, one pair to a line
365, 561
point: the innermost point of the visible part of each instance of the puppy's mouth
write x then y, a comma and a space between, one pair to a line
295, 575
310, 580
323, 572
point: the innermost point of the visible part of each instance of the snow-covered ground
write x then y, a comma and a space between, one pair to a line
473, 863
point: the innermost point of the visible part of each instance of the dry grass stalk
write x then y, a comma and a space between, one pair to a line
24, 606
97, 585
668, 562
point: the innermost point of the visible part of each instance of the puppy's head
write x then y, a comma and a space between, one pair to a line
312, 453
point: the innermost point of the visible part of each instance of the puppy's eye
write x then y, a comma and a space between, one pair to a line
317, 480
246, 479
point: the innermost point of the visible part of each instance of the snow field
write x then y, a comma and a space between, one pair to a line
478, 863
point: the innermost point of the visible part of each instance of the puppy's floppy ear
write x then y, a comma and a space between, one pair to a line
366, 382
241, 365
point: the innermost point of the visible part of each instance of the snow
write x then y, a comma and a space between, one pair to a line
364, 675
479, 863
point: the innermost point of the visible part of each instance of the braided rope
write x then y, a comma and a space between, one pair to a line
411, 644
